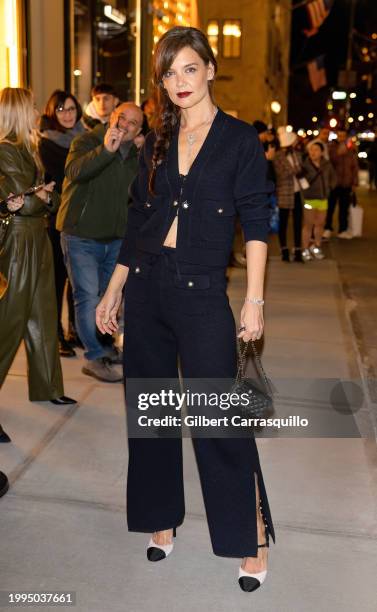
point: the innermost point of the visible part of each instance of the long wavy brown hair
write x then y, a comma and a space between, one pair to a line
167, 112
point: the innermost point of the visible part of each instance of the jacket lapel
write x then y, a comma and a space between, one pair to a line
212, 139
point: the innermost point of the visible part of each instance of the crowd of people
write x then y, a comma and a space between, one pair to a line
311, 178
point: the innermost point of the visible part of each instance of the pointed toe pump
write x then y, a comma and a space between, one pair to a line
157, 552
250, 582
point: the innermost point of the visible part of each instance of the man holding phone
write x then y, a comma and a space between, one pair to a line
92, 217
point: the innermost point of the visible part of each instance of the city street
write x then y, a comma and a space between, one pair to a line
63, 522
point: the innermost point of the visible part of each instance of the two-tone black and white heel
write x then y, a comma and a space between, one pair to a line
157, 552
250, 582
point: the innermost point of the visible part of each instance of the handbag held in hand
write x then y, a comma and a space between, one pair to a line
254, 402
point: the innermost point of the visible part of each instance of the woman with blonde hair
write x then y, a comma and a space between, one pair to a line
28, 305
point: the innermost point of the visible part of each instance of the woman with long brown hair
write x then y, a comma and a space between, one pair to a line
59, 125
28, 305
197, 170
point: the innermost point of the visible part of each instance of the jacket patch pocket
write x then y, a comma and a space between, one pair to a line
194, 294
217, 220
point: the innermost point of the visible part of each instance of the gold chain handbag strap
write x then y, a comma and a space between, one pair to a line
242, 364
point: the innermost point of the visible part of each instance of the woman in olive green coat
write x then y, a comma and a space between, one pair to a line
28, 304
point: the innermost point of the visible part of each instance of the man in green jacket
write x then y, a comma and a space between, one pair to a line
92, 217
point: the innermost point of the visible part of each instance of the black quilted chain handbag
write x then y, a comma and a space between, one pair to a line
254, 402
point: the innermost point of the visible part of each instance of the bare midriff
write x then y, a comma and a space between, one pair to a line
171, 237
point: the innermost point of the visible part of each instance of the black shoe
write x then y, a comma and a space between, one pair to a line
73, 339
4, 438
285, 254
65, 349
298, 256
61, 401
4, 484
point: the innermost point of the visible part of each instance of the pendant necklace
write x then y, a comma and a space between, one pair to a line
192, 137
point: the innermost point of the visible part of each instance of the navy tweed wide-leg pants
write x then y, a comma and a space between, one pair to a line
182, 312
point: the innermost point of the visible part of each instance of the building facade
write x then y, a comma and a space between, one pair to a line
72, 44
251, 39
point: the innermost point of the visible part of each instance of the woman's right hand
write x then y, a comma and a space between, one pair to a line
15, 203
107, 310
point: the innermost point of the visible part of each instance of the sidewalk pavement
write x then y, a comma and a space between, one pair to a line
63, 521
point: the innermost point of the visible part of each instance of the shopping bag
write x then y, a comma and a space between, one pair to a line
355, 220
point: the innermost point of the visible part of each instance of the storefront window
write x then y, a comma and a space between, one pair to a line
103, 46
213, 35
11, 56
232, 38
112, 41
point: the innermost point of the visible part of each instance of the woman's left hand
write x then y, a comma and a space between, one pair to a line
252, 320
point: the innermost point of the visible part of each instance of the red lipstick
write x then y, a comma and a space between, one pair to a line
184, 94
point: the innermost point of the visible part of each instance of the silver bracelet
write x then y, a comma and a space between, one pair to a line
258, 301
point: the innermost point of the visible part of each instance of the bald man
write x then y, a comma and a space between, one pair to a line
92, 219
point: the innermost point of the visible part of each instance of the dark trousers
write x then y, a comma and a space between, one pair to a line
297, 223
61, 278
343, 196
183, 312
28, 308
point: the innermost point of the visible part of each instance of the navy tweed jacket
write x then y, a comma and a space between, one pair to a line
227, 178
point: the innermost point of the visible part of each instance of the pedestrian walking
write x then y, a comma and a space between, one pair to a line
287, 164
346, 167
321, 177
196, 171
28, 305
60, 124
100, 167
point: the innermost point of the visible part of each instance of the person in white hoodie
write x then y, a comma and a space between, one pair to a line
104, 101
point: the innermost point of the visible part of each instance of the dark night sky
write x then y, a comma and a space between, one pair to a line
331, 40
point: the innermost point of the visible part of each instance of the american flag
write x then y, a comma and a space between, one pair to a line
317, 73
318, 11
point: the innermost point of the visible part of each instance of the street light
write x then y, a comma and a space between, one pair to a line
350, 119
353, 95
275, 107
360, 118
314, 119
370, 115
339, 95
333, 122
